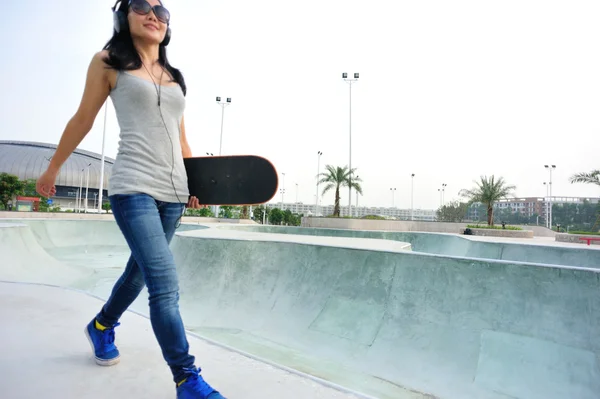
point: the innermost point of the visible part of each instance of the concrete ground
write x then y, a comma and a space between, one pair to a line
45, 354
545, 241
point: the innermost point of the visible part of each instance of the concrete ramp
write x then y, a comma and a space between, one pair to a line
395, 324
529, 250
374, 314
22, 258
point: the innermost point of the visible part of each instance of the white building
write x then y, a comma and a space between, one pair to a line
358, 212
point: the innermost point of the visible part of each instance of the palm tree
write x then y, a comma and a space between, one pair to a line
589, 178
488, 192
335, 178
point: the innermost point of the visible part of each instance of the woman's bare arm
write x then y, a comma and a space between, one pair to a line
97, 89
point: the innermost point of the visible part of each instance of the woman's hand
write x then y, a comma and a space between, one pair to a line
45, 184
194, 203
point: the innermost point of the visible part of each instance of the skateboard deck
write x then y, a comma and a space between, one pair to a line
231, 180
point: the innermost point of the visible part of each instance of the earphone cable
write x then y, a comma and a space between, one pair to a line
158, 92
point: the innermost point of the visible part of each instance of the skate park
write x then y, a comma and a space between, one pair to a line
306, 312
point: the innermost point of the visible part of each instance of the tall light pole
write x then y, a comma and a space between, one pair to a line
443, 190
282, 189
102, 160
319, 153
547, 218
223, 105
412, 186
350, 81
393, 190
87, 187
357, 211
550, 167
80, 191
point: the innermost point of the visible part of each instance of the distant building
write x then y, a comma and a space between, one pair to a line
28, 160
360, 211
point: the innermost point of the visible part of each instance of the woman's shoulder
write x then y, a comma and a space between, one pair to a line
100, 64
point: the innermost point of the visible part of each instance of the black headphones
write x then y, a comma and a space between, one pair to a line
121, 23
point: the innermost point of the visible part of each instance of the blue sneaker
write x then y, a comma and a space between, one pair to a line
194, 387
103, 344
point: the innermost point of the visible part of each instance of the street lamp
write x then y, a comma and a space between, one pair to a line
80, 200
442, 192
357, 210
87, 187
282, 189
319, 153
412, 184
223, 105
393, 190
550, 167
547, 199
350, 81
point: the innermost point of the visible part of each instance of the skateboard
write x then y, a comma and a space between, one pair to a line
231, 180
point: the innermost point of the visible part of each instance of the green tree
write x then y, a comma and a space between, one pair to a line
488, 191
275, 216
10, 186
106, 206
291, 219
30, 191
335, 178
206, 212
576, 216
230, 212
259, 212
200, 212
453, 212
226, 212
592, 177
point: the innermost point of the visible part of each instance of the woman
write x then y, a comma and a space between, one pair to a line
148, 180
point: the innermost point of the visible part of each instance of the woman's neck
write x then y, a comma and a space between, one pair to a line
148, 53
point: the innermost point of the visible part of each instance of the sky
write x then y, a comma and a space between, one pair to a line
448, 90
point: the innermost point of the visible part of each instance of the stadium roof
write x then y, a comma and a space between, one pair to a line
28, 160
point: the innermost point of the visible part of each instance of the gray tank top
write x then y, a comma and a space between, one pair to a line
149, 159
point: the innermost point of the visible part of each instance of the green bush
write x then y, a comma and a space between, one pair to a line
373, 217
496, 227
587, 233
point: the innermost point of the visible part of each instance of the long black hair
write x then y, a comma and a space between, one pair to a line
122, 54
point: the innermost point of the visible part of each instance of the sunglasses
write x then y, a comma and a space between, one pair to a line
142, 7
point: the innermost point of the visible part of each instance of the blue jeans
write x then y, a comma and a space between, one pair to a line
148, 226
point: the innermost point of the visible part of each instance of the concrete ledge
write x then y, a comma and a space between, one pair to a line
368, 244
405, 226
503, 233
108, 216
576, 238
